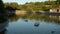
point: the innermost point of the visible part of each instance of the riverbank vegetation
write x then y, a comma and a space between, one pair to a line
31, 6
1, 7
34, 6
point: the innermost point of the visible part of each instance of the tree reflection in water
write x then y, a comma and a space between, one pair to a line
56, 19
3, 25
41, 17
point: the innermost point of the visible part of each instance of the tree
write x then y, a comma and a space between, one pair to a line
14, 5
6, 5
58, 1
2, 7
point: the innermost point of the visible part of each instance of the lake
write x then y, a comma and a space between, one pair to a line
31, 24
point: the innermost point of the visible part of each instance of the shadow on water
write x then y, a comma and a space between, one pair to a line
3, 25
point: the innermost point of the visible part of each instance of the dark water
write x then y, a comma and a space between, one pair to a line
31, 24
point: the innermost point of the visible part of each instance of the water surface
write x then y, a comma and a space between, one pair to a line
33, 24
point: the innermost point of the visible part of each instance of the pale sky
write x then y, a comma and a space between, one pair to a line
22, 1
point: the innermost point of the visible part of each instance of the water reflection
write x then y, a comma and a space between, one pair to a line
42, 17
3, 26
56, 19
14, 18
36, 24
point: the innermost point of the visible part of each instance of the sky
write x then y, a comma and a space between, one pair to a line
22, 1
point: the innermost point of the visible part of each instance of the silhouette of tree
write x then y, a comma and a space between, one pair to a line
1, 7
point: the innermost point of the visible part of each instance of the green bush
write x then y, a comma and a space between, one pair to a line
45, 8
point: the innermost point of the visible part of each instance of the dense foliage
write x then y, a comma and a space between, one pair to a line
34, 6
1, 7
